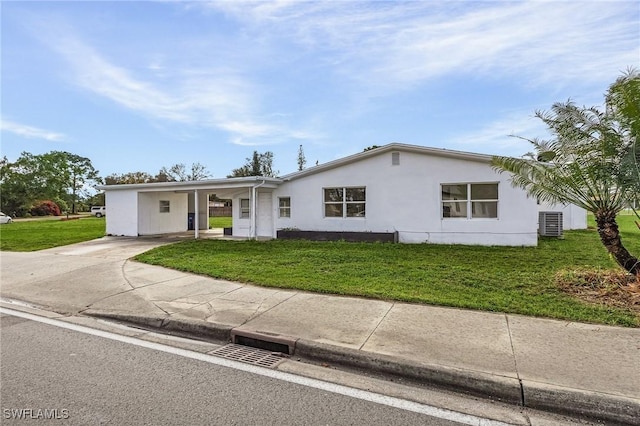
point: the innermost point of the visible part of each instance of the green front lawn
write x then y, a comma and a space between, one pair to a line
220, 222
50, 231
504, 279
22, 235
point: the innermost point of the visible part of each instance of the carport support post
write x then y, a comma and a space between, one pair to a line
196, 219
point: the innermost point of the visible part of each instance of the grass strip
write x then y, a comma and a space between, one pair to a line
32, 235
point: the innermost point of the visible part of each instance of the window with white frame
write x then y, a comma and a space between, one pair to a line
165, 206
284, 205
344, 202
244, 208
470, 200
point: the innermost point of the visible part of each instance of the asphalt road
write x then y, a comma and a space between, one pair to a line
78, 378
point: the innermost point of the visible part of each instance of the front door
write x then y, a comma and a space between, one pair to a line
264, 225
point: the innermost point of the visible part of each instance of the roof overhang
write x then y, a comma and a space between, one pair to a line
210, 185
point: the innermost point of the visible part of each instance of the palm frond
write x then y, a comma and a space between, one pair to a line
585, 163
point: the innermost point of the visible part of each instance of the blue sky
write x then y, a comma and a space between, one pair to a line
136, 86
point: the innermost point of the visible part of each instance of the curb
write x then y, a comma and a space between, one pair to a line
581, 403
485, 385
183, 327
534, 395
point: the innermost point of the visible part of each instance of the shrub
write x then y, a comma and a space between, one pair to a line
45, 208
62, 204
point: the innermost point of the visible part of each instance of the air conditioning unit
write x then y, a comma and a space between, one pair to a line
550, 224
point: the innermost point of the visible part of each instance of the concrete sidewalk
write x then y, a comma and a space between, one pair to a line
564, 367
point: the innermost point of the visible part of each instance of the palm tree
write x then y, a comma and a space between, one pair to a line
623, 98
586, 163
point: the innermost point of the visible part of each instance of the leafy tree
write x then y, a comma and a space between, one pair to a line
585, 163
136, 177
178, 172
257, 165
62, 204
266, 164
56, 175
161, 177
128, 178
16, 193
23, 182
175, 173
95, 200
302, 161
76, 173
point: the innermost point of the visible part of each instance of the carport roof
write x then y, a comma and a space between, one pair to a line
209, 184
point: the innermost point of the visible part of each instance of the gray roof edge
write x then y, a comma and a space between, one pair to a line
395, 146
194, 183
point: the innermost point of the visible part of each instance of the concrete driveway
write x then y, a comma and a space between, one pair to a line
71, 278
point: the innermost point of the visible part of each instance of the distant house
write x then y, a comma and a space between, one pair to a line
415, 194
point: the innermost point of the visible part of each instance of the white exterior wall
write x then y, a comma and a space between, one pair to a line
264, 221
122, 217
573, 217
151, 221
407, 198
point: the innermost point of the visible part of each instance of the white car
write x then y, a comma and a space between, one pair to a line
4, 218
98, 211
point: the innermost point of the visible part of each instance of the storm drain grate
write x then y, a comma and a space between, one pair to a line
249, 355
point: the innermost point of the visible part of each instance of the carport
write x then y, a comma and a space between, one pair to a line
170, 207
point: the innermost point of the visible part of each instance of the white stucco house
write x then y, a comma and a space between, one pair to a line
417, 194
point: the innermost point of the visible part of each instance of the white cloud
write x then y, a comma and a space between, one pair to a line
208, 97
398, 44
503, 135
367, 48
30, 132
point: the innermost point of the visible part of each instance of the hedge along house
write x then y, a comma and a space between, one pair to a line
413, 194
